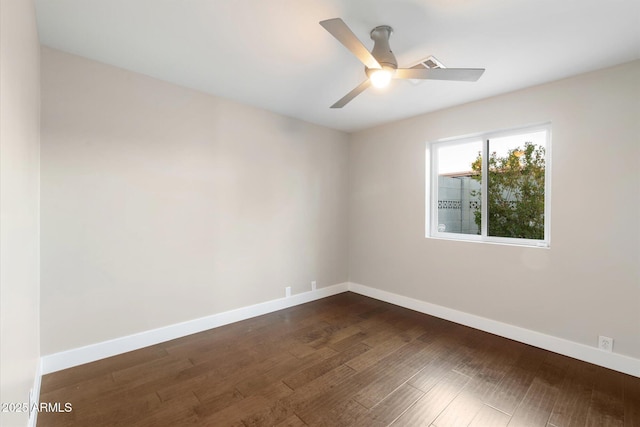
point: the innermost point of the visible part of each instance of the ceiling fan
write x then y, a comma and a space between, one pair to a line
381, 65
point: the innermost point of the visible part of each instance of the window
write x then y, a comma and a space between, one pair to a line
492, 187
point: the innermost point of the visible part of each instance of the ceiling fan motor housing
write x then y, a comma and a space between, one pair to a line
381, 49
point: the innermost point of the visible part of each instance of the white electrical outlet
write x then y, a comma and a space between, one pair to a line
605, 343
287, 291
313, 285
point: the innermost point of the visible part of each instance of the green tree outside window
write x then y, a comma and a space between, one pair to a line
515, 205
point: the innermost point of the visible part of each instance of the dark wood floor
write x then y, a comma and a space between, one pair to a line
346, 360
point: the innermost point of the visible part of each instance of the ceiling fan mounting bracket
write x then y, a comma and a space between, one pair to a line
385, 30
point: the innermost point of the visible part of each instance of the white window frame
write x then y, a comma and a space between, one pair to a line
431, 187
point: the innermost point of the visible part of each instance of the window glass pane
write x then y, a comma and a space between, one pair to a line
516, 180
459, 188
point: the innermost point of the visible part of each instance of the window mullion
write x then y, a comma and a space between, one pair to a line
432, 185
484, 193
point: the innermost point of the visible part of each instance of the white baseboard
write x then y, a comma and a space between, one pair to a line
615, 361
78, 356
34, 401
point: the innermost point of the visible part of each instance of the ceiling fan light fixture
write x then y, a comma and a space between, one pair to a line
381, 78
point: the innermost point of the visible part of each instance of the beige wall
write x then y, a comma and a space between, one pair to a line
587, 284
19, 203
161, 204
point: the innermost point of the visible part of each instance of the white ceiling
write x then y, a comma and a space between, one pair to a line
273, 54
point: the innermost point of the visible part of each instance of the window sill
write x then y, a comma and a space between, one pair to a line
524, 244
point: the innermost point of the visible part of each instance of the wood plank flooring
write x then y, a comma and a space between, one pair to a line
345, 360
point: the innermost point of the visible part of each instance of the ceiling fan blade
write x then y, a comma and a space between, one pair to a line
459, 74
344, 35
355, 92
